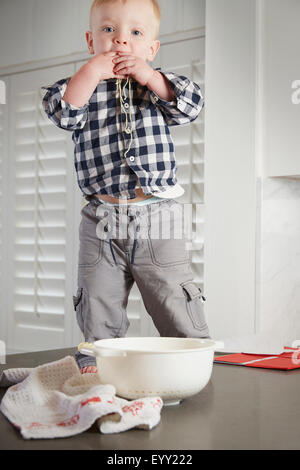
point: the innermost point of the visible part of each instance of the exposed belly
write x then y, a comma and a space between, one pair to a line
139, 192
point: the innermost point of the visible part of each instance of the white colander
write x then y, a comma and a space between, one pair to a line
171, 368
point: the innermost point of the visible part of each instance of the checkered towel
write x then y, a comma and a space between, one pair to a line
56, 400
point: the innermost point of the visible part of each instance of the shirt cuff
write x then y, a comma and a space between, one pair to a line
178, 85
57, 92
72, 115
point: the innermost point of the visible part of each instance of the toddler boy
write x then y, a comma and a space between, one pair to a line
119, 110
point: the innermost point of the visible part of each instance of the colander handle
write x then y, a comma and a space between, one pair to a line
218, 345
90, 350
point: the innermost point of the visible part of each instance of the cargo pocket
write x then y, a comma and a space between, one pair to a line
194, 305
78, 307
168, 252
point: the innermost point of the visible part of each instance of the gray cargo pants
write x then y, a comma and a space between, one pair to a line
146, 244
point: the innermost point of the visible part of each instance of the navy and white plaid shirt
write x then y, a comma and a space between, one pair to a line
102, 134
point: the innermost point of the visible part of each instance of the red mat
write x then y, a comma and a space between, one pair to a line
288, 360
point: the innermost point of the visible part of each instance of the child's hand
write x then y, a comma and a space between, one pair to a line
135, 67
102, 66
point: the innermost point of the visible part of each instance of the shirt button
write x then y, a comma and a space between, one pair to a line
126, 105
131, 159
155, 98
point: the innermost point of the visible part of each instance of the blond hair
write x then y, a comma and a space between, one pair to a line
156, 10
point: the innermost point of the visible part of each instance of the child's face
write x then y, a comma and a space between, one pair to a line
129, 27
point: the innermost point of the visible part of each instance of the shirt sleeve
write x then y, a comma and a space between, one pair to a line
188, 102
61, 113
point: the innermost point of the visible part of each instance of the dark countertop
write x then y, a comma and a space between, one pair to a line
240, 408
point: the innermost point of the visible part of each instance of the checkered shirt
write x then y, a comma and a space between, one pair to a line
101, 135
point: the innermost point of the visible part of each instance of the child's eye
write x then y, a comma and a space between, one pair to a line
135, 31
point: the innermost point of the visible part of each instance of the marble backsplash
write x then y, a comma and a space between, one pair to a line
278, 268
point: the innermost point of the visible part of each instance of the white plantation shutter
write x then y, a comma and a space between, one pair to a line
43, 202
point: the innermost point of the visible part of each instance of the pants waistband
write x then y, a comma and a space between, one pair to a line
132, 211
145, 202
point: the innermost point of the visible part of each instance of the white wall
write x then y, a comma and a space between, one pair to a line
278, 276
230, 169
32, 30
252, 222
281, 69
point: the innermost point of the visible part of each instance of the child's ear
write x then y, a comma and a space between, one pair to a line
89, 40
153, 50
